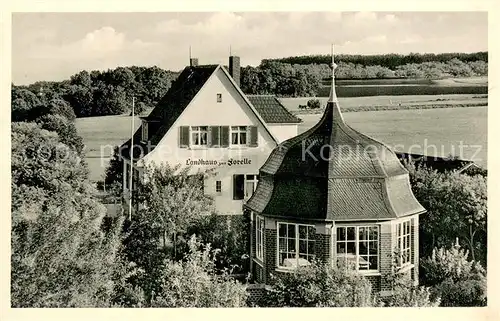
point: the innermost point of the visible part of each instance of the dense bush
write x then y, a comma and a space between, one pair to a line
229, 235
313, 104
456, 207
194, 282
454, 278
320, 285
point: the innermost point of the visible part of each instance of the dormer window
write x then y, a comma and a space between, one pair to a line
145, 131
219, 97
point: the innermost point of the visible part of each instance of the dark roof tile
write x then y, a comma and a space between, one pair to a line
271, 110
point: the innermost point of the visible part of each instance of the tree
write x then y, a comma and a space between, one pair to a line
457, 280
60, 255
114, 171
65, 129
313, 103
39, 160
194, 282
23, 102
229, 235
320, 285
456, 207
169, 200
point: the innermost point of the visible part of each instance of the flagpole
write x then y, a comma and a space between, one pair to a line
131, 159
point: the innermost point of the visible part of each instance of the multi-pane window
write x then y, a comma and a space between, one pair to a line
244, 185
199, 135
259, 238
218, 186
296, 244
238, 135
404, 242
219, 98
250, 184
357, 247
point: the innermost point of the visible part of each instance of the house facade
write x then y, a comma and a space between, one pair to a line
334, 195
205, 122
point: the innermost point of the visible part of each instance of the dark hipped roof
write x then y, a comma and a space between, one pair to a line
325, 174
271, 110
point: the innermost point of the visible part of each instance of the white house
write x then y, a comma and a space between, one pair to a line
206, 122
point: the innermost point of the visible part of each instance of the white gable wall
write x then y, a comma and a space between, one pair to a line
204, 110
283, 132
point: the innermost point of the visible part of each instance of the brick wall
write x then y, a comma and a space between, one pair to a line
387, 245
255, 294
322, 247
375, 281
270, 253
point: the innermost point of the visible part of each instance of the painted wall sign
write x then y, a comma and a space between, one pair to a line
229, 162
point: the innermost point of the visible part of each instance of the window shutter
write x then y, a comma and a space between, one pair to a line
253, 136
184, 136
214, 136
224, 136
238, 187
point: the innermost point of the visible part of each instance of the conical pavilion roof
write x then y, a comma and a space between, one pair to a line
333, 172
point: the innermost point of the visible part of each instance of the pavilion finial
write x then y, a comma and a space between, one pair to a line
333, 94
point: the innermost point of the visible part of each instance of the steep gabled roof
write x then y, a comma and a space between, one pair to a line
272, 111
171, 106
177, 98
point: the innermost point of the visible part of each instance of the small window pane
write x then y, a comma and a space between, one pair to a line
243, 138
302, 246
341, 248
282, 230
291, 246
302, 232
351, 248
341, 236
310, 247
351, 234
311, 232
282, 244
291, 230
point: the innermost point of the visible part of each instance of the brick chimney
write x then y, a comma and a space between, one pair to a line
234, 68
193, 62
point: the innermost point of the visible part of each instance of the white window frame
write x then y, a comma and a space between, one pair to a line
259, 238
197, 130
254, 180
238, 131
402, 236
297, 239
218, 187
219, 97
356, 242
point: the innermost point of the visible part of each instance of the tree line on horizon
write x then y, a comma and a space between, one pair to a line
390, 61
100, 93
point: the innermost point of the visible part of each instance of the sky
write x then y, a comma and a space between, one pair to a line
54, 46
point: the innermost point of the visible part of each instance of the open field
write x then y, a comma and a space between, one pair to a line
444, 127
100, 135
392, 102
437, 132
404, 87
